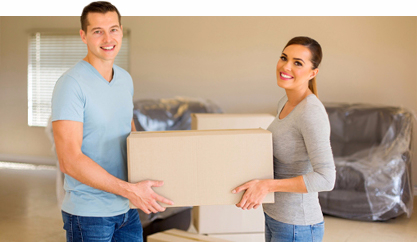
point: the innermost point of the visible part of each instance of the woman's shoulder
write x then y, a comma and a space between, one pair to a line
312, 108
311, 102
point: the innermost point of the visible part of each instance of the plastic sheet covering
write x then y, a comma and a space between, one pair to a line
372, 150
169, 114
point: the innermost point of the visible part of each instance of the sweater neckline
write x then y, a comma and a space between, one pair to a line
286, 97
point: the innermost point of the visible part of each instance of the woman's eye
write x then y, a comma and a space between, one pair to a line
297, 63
283, 58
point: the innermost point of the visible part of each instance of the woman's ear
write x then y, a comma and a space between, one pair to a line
314, 73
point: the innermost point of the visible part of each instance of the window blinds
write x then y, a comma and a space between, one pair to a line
50, 55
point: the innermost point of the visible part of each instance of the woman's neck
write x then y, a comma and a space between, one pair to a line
296, 96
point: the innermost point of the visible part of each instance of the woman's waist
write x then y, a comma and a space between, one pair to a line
289, 170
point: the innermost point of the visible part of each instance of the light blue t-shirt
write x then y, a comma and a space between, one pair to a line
106, 111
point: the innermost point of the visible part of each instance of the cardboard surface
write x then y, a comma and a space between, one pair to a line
240, 237
175, 235
200, 167
205, 121
221, 219
228, 219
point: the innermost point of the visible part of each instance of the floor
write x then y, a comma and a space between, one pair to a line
29, 212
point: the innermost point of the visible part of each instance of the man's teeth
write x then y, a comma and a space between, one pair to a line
285, 76
108, 48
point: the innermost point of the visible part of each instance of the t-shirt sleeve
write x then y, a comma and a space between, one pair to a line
315, 128
67, 100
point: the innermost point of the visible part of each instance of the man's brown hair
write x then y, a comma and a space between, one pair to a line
97, 7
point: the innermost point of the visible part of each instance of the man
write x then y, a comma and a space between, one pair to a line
92, 111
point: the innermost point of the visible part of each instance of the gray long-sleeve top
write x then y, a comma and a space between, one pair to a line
301, 144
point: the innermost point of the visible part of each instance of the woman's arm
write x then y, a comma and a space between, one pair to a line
315, 128
256, 190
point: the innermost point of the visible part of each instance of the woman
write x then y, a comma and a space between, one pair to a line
303, 159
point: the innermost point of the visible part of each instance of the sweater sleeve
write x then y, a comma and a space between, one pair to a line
315, 128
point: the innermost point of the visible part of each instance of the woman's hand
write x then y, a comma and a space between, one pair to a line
256, 190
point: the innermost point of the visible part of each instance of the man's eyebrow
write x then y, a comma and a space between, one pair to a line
117, 26
95, 28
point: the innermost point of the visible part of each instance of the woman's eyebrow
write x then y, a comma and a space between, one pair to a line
299, 59
293, 58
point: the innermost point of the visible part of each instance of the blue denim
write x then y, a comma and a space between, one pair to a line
276, 231
124, 227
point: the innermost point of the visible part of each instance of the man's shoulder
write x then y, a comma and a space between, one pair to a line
121, 71
76, 72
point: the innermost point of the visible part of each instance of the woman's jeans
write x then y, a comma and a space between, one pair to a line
281, 232
125, 227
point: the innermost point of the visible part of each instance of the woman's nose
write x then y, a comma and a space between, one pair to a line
287, 66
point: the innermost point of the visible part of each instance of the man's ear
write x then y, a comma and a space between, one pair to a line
83, 37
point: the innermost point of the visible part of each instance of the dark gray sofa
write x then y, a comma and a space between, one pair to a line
372, 150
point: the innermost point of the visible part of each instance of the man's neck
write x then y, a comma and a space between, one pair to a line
105, 68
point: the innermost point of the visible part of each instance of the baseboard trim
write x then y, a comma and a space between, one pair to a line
38, 160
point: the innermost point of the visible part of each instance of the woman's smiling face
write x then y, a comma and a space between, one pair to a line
294, 68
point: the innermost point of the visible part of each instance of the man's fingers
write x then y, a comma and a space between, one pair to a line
157, 207
145, 210
152, 209
156, 183
161, 199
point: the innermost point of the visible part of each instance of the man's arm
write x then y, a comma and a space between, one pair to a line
133, 126
68, 140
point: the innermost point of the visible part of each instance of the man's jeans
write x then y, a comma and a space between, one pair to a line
125, 227
282, 232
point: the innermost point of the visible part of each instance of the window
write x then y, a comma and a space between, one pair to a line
50, 55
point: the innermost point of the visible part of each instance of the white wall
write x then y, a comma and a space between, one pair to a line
230, 60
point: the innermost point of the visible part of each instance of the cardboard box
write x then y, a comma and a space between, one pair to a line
241, 237
175, 235
200, 167
224, 219
204, 121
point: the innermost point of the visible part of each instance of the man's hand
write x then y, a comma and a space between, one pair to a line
144, 198
256, 190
